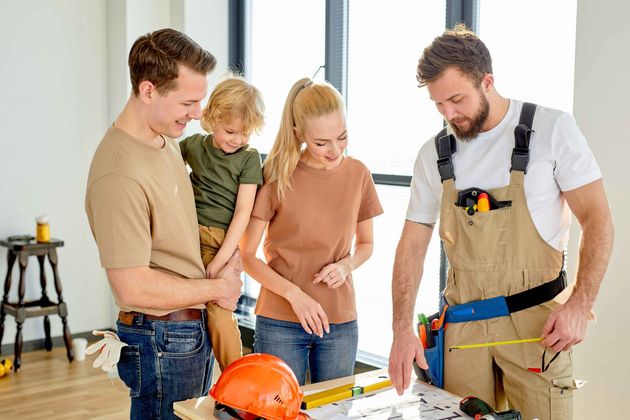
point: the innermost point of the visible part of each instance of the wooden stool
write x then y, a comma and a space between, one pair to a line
20, 248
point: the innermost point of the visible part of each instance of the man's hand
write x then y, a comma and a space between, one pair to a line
565, 327
405, 347
230, 275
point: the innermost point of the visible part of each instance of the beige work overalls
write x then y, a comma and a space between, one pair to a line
495, 253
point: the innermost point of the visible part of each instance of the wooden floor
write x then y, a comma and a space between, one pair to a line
48, 387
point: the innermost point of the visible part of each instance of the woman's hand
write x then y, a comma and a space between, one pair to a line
310, 313
334, 275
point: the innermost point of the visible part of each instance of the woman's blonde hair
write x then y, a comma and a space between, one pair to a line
234, 98
306, 99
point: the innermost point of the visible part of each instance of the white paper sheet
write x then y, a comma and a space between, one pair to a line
418, 402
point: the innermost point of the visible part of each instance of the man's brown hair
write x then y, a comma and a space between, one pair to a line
458, 47
156, 56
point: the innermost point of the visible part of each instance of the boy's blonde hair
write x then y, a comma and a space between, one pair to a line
234, 98
306, 99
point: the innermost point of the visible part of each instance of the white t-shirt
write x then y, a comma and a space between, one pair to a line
559, 160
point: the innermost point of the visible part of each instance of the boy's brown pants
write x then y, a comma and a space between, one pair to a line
222, 326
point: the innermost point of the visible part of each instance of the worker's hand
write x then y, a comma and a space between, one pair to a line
230, 275
109, 350
405, 347
565, 327
333, 275
310, 313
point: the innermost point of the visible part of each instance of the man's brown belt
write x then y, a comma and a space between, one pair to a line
181, 315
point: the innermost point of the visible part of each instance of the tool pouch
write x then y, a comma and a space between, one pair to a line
434, 356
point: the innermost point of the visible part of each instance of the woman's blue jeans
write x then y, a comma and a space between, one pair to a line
329, 357
164, 362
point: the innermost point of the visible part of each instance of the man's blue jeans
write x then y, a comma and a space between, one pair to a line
330, 357
164, 362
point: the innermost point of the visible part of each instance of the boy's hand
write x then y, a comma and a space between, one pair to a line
212, 270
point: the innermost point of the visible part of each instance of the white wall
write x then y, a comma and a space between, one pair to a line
65, 79
53, 109
602, 110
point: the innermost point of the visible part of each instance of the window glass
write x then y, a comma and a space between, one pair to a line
372, 281
287, 43
389, 117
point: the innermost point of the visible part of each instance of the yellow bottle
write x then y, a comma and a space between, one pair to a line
43, 229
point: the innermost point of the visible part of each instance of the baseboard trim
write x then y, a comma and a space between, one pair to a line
38, 344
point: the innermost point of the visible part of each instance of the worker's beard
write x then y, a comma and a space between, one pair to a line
474, 124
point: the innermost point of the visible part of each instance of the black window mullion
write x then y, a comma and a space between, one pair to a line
463, 11
336, 64
238, 30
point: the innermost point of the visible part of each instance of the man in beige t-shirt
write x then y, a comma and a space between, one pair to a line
141, 210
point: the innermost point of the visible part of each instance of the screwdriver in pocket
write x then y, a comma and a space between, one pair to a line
483, 203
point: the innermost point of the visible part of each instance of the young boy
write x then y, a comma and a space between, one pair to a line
225, 175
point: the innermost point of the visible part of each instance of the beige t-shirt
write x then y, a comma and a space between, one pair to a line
314, 226
141, 209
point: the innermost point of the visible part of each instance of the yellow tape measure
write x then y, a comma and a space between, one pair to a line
495, 343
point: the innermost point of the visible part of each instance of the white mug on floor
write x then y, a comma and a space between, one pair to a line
78, 348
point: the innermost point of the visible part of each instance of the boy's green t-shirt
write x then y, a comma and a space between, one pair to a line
216, 177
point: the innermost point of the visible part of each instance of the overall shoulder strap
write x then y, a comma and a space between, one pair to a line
445, 145
522, 134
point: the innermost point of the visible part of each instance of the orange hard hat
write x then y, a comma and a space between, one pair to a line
260, 384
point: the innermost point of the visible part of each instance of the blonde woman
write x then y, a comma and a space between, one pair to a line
314, 203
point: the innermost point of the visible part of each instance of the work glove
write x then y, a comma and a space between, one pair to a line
109, 348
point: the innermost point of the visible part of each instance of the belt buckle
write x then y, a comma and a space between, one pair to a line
125, 317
